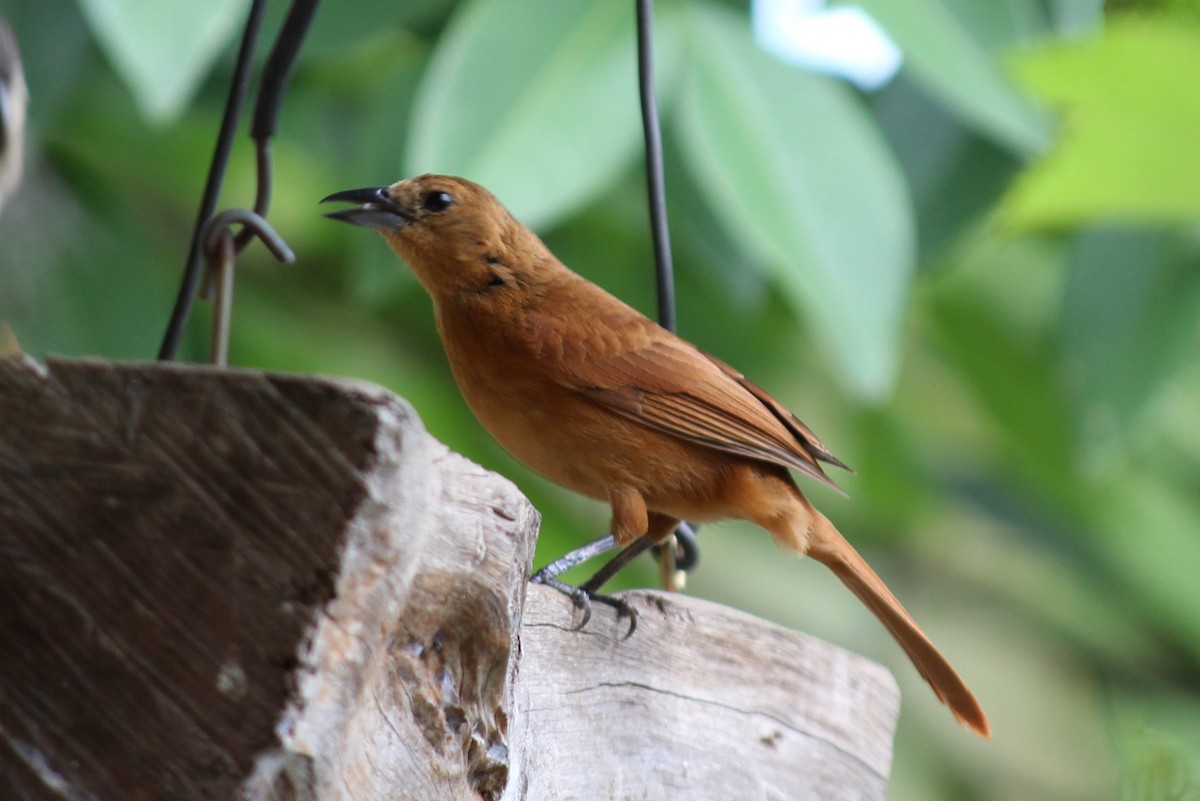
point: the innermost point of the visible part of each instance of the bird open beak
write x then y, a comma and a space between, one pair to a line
377, 209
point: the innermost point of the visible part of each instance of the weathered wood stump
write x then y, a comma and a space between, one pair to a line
223, 584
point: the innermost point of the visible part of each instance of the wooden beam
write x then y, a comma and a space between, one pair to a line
222, 582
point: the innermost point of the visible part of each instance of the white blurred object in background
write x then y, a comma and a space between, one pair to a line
13, 97
843, 41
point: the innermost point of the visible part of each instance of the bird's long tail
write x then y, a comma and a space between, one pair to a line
828, 546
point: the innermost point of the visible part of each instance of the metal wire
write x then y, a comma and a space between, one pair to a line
681, 551
276, 77
219, 248
655, 184
212, 188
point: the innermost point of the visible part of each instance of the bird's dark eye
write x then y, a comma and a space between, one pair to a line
437, 201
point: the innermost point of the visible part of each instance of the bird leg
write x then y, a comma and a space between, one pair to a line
574, 558
632, 521
614, 566
583, 596
656, 528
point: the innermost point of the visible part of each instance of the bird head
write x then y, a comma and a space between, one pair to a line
453, 233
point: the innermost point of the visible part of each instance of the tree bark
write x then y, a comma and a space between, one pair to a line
220, 584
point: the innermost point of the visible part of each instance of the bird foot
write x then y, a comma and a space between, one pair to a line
583, 597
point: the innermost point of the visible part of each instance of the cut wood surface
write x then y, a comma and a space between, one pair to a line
220, 584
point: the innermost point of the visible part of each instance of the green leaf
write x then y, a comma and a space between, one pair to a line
800, 175
1074, 17
1131, 124
1131, 303
1146, 535
1000, 23
951, 65
162, 48
536, 100
1159, 765
1015, 381
954, 174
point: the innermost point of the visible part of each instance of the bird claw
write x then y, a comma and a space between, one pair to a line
583, 597
624, 609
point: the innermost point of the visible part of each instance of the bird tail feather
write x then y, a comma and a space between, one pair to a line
828, 546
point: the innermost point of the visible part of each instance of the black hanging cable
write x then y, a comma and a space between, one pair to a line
212, 188
660, 231
685, 536
276, 76
665, 282
281, 64
655, 184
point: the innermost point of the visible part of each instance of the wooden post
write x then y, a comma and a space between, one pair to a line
218, 584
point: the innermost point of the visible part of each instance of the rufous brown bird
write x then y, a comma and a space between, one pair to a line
597, 397
13, 98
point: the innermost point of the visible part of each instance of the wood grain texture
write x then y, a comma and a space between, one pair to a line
702, 701
217, 584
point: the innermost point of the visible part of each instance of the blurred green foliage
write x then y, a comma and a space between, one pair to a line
980, 285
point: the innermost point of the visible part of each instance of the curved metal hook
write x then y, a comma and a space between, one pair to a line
219, 248
218, 287
251, 222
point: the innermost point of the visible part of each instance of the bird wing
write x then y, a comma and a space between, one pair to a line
631, 366
799, 430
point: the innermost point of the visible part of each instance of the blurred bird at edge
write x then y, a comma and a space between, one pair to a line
13, 98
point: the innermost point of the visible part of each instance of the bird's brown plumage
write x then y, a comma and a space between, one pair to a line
594, 395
